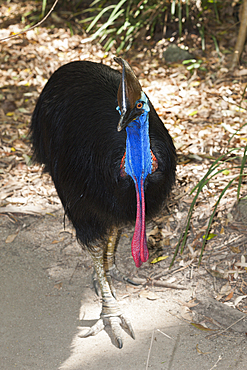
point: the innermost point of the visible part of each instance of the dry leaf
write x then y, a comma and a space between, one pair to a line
149, 295
10, 238
188, 304
235, 249
222, 231
216, 274
225, 289
230, 295
242, 263
239, 299
219, 297
201, 353
201, 327
58, 285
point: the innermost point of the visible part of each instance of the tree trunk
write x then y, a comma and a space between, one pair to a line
241, 36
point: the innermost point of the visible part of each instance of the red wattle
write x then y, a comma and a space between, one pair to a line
143, 241
139, 243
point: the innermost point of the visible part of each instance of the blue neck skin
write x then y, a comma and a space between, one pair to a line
138, 161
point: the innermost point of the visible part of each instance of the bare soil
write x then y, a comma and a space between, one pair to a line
47, 298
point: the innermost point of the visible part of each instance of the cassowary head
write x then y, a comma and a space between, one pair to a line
138, 160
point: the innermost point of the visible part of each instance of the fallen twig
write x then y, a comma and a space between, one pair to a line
158, 283
149, 351
223, 331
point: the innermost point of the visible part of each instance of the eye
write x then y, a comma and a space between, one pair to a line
139, 105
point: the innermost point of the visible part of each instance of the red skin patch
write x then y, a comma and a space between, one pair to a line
154, 162
122, 166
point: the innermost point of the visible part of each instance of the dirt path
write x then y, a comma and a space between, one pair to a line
45, 289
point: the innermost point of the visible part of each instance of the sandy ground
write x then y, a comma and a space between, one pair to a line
46, 289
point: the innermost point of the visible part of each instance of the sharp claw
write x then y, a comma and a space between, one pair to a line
131, 281
117, 275
120, 343
127, 325
95, 283
94, 330
132, 334
115, 323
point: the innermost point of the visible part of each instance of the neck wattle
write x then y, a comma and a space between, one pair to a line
138, 164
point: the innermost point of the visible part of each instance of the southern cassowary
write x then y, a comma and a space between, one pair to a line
112, 162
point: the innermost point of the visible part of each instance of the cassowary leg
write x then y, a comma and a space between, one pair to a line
109, 257
111, 313
109, 260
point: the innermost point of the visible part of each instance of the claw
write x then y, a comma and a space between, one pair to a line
120, 343
94, 330
115, 331
117, 275
96, 283
130, 281
127, 325
114, 323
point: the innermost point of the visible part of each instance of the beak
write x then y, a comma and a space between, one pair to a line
127, 117
122, 122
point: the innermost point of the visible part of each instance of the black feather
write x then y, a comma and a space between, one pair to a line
74, 133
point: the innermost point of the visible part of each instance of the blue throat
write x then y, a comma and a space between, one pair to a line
138, 161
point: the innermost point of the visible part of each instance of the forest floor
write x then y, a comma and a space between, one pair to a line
46, 289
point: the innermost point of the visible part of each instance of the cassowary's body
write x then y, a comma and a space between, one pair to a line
74, 133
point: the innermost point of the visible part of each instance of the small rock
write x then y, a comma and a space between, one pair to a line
175, 54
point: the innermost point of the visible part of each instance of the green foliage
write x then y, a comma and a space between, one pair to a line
43, 7
127, 21
194, 64
121, 23
124, 21
214, 170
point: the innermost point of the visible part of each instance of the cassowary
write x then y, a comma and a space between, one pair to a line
112, 162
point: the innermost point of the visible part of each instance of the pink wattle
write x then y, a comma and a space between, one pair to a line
139, 242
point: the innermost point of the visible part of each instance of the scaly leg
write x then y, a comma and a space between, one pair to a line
111, 313
109, 260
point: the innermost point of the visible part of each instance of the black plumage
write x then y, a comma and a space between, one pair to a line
74, 133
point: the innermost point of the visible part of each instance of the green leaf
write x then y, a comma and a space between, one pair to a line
187, 61
210, 236
98, 17
193, 113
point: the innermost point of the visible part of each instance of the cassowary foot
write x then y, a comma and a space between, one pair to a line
116, 323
